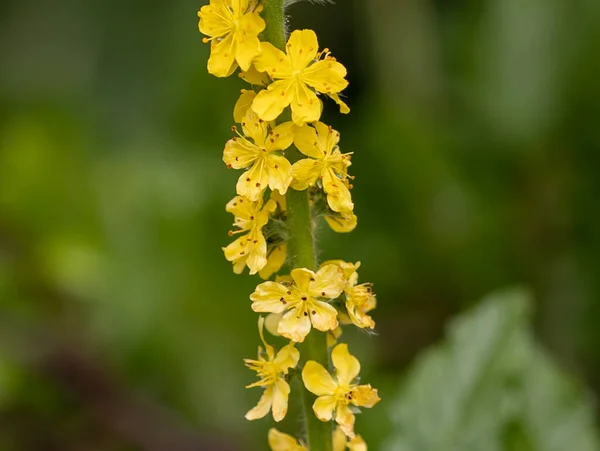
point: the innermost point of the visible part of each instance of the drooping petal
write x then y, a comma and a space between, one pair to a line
306, 106
357, 444
280, 173
294, 325
317, 380
344, 109
323, 316
365, 396
267, 298
243, 105
307, 142
342, 224
257, 251
254, 181
328, 282
281, 392
221, 62
346, 365
338, 195
240, 153
302, 47
345, 418
324, 407
275, 260
264, 405
339, 440
273, 61
278, 441
270, 102
305, 173
254, 77
287, 358
326, 76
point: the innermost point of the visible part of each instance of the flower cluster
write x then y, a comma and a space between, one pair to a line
281, 145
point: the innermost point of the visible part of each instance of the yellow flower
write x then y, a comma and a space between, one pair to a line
271, 369
326, 163
360, 299
278, 441
249, 249
342, 223
256, 151
299, 300
340, 442
233, 27
336, 394
295, 73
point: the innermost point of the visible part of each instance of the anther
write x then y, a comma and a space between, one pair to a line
304, 298
305, 313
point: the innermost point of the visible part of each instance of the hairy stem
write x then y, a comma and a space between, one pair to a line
301, 249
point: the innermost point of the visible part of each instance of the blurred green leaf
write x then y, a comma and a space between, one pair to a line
490, 387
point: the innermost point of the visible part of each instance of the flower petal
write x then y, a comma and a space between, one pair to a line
243, 105
357, 444
338, 195
280, 173
317, 380
257, 251
281, 137
240, 153
254, 181
323, 316
248, 47
213, 20
264, 405
254, 77
306, 107
221, 62
365, 396
340, 223
307, 141
345, 418
326, 76
286, 358
346, 365
305, 173
278, 441
323, 407
269, 103
328, 282
339, 440
294, 325
275, 260
302, 47
281, 392
302, 277
267, 298
273, 61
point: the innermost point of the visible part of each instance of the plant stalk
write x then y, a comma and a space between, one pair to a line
301, 249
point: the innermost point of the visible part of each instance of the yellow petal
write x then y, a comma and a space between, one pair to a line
338, 195
323, 407
307, 142
254, 77
345, 418
240, 153
254, 181
294, 325
213, 20
275, 260
344, 109
272, 322
280, 173
281, 392
241, 207
278, 441
323, 316
264, 405
257, 252
357, 444
239, 7
328, 137
339, 440
302, 278
247, 49
328, 282
269, 103
281, 137
221, 62
273, 61
243, 105
348, 269
255, 128
317, 380
346, 365
342, 224
333, 336
365, 396
267, 298
326, 76
287, 358
302, 47
305, 173
306, 107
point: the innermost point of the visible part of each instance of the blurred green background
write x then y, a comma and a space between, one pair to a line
475, 128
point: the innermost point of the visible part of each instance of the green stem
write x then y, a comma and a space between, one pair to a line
301, 249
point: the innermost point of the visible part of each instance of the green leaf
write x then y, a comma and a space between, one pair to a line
490, 387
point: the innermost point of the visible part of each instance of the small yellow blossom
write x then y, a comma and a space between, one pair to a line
278, 441
257, 151
295, 73
271, 369
360, 299
326, 163
336, 394
251, 248
340, 442
342, 223
299, 300
233, 27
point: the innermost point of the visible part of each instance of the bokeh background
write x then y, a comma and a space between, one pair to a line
476, 139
